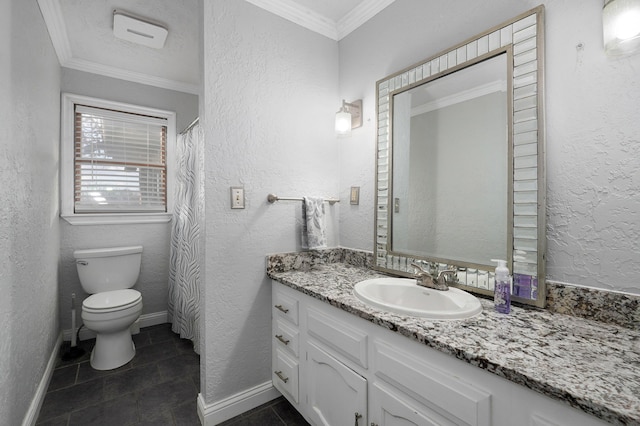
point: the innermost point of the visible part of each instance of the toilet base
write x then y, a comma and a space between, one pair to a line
112, 350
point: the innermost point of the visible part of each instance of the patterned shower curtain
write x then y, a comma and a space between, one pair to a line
185, 250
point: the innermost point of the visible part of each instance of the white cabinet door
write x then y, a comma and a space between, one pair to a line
388, 407
337, 395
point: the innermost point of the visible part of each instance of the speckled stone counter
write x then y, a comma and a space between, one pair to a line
590, 365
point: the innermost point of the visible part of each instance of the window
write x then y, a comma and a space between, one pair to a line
119, 162
116, 162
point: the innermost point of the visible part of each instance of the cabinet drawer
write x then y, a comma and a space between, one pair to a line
390, 407
285, 375
285, 307
458, 401
345, 339
286, 337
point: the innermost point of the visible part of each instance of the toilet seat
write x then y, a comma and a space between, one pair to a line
111, 301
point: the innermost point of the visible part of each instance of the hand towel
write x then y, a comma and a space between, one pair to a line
314, 235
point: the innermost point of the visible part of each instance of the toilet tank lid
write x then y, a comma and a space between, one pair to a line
106, 252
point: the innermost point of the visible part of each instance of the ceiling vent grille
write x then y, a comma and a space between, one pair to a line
138, 30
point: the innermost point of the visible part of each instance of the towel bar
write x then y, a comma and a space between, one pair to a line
272, 198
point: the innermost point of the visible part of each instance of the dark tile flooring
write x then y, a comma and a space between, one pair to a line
158, 387
274, 413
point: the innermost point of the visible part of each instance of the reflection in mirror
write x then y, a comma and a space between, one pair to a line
460, 173
450, 174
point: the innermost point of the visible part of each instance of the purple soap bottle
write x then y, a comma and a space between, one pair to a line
502, 291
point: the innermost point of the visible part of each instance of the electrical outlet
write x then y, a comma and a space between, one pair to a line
237, 197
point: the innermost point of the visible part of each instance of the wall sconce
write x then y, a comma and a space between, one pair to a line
349, 117
621, 26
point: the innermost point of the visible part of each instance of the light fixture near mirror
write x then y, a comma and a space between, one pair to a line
348, 117
621, 26
520, 44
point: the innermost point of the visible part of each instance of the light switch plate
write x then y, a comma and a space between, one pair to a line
354, 198
237, 197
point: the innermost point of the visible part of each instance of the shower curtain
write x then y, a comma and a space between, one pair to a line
185, 250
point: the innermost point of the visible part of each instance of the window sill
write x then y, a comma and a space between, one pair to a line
116, 218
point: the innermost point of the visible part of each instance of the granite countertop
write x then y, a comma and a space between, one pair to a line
590, 365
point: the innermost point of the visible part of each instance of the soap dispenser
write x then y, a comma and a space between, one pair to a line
502, 290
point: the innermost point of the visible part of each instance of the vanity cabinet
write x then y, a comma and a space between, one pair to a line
338, 369
336, 395
285, 359
389, 407
425, 393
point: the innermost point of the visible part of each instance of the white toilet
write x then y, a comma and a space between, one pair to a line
108, 275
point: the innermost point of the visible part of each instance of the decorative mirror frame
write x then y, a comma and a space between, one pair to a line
522, 38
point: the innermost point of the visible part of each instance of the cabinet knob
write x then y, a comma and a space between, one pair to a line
358, 417
282, 308
282, 339
283, 377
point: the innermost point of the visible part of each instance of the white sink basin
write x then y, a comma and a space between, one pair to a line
404, 296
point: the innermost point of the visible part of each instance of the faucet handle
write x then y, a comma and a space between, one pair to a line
420, 269
443, 274
423, 278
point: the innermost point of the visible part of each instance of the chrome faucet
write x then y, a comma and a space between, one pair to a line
425, 279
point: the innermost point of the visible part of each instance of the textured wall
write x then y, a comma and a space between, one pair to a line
29, 231
270, 96
593, 154
592, 126
153, 237
154, 270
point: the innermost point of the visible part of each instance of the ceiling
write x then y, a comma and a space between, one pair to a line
82, 34
482, 78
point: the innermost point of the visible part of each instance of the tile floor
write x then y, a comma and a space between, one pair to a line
274, 413
158, 387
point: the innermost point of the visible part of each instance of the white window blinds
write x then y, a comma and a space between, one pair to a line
119, 162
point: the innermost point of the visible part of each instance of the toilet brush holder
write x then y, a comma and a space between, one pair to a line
74, 351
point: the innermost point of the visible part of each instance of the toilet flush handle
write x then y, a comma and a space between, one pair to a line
82, 262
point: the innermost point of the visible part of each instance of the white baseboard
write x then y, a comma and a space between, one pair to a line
36, 403
234, 405
146, 320
154, 318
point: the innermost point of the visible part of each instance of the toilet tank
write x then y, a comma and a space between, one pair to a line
107, 269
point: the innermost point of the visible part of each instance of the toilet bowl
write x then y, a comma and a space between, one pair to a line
110, 314
108, 275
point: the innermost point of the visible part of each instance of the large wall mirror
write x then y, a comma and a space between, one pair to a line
460, 162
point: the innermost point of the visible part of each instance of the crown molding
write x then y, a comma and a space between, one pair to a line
57, 28
136, 77
287, 9
54, 20
465, 95
300, 15
311, 20
359, 15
